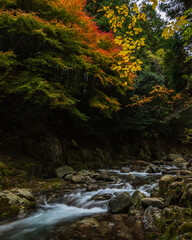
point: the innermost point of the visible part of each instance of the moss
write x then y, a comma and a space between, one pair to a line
170, 231
7, 210
184, 228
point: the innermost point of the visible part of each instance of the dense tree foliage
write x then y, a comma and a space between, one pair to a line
60, 59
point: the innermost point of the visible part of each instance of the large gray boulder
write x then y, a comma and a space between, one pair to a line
63, 171
120, 203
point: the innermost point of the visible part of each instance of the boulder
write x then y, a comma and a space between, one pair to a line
151, 218
136, 197
153, 202
164, 183
120, 203
78, 178
186, 198
68, 177
180, 161
89, 179
92, 187
64, 170
16, 202
153, 169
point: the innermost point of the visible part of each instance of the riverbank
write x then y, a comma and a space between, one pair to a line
81, 205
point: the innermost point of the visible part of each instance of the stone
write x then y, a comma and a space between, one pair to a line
79, 178
173, 156
92, 187
136, 197
186, 198
151, 217
94, 175
68, 177
130, 177
16, 203
120, 203
153, 169
153, 202
89, 179
164, 183
101, 197
64, 170
174, 192
125, 170
180, 160
23, 193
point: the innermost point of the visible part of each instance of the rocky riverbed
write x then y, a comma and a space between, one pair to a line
137, 202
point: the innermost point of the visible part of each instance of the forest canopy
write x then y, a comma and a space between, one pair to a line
83, 56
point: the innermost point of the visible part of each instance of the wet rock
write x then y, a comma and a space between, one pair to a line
120, 203
64, 170
90, 180
130, 177
16, 202
151, 217
136, 197
118, 180
125, 170
92, 187
139, 165
153, 169
153, 202
78, 178
173, 156
68, 177
105, 178
101, 197
94, 175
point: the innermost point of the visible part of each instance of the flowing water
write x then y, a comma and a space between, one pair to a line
76, 204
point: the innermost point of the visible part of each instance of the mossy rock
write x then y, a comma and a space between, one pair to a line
16, 202
8, 210
185, 228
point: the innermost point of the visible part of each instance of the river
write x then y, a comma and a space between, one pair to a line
77, 204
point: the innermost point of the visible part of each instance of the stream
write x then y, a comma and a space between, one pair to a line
77, 204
